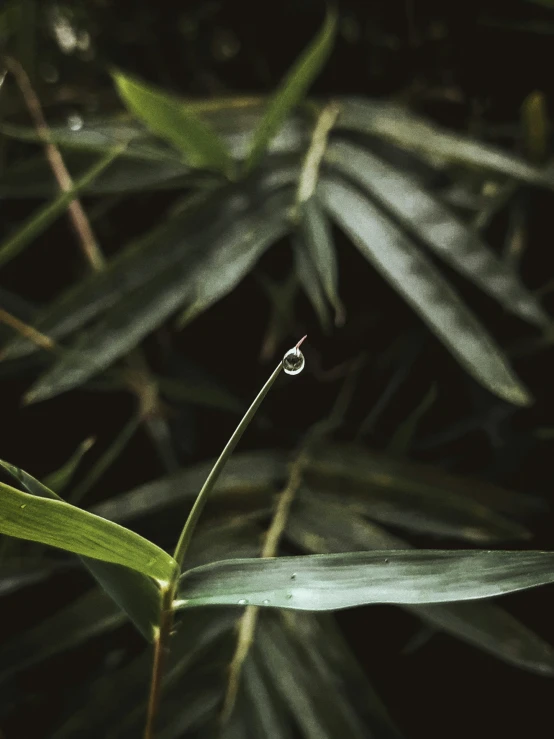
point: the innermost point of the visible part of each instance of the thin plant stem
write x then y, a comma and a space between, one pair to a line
161, 647
28, 332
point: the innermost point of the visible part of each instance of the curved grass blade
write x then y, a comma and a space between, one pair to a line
334, 581
412, 132
414, 276
200, 279
245, 474
292, 89
40, 220
321, 527
60, 478
89, 615
169, 117
452, 240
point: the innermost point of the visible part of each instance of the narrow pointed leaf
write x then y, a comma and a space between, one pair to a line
60, 478
308, 277
451, 239
292, 89
40, 220
414, 133
334, 581
321, 527
49, 520
414, 276
168, 117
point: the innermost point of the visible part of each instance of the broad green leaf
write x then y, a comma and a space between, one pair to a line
409, 131
200, 279
60, 478
292, 89
451, 239
321, 527
421, 284
246, 474
333, 581
318, 240
89, 615
61, 525
169, 117
40, 220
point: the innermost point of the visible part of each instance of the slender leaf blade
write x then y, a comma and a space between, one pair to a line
335, 581
292, 89
424, 288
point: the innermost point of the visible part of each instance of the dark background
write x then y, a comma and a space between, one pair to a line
466, 65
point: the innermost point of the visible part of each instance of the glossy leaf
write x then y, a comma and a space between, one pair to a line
40, 220
451, 239
53, 522
407, 130
334, 581
321, 527
168, 117
421, 284
292, 89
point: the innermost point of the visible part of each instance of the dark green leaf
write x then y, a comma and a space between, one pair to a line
334, 581
411, 132
292, 89
170, 118
433, 223
309, 279
423, 287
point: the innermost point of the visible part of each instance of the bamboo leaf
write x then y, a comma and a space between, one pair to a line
168, 117
452, 240
335, 581
292, 89
49, 520
60, 478
423, 287
412, 132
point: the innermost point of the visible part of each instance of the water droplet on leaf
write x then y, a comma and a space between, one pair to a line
293, 576
243, 602
265, 602
24, 505
293, 361
289, 596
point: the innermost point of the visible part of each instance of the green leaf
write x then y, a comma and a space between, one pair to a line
334, 581
40, 220
263, 704
309, 279
453, 241
321, 527
292, 89
170, 118
61, 525
318, 240
415, 277
409, 131
87, 616
61, 478
412, 496
245, 474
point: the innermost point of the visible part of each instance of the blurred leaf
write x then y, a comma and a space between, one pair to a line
248, 474
292, 89
59, 524
411, 132
199, 390
333, 581
421, 284
89, 615
170, 118
405, 433
536, 126
453, 241
415, 496
321, 527
309, 279
41, 219
61, 478
19, 572
317, 236
262, 702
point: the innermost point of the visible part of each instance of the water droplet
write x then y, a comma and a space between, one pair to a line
289, 596
24, 505
293, 361
387, 561
265, 602
75, 122
243, 602
293, 576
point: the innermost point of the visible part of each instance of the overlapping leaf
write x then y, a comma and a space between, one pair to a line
415, 277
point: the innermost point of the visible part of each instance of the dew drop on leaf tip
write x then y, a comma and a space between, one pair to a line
293, 361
